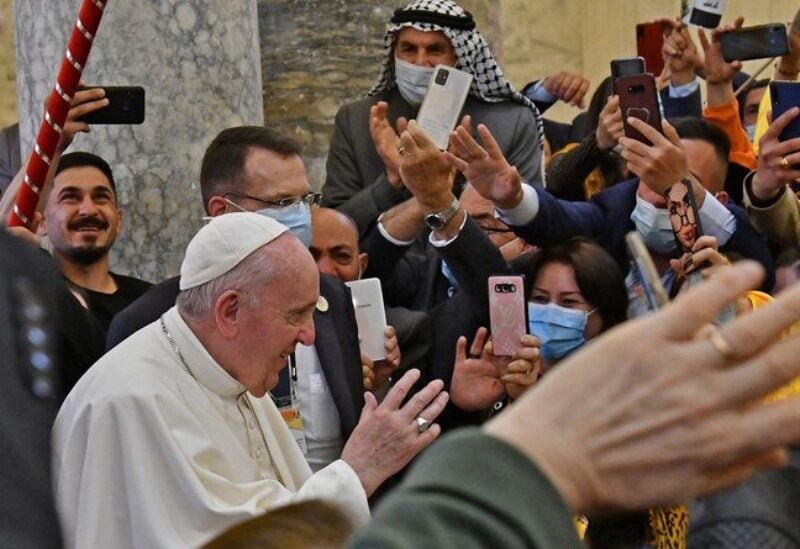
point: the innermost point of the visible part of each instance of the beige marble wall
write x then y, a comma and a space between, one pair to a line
8, 92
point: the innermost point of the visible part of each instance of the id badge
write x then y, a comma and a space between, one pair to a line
294, 421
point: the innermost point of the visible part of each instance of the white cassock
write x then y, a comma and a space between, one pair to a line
148, 454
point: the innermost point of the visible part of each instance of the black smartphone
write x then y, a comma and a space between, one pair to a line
784, 96
125, 106
626, 67
638, 98
760, 42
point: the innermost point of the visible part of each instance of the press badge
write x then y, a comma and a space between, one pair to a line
289, 407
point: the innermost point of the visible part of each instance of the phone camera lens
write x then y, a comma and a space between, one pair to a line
441, 77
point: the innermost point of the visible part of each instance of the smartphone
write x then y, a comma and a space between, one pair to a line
649, 41
370, 316
704, 13
784, 96
447, 92
643, 272
683, 215
626, 67
759, 42
125, 106
508, 313
638, 98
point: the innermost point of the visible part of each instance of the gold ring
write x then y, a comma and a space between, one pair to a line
785, 163
722, 345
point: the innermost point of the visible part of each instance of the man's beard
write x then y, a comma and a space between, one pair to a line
86, 255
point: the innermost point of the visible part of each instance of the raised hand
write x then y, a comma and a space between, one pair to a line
485, 167
386, 140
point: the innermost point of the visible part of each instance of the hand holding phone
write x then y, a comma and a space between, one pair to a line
125, 106
683, 215
508, 313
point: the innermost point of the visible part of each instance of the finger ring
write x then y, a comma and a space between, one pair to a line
785, 163
422, 424
473, 355
401, 150
721, 345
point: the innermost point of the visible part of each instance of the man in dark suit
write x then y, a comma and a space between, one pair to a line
248, 168
692, 150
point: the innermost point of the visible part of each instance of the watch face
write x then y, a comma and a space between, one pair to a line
434, 221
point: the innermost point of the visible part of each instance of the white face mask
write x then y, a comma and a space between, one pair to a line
654, 226
751, 131
412, 81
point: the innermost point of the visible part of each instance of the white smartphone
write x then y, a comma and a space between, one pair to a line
370, 316
443, 102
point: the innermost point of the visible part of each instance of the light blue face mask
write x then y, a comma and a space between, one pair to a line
295, 217
751, 132
653, 226
412, 81
560, 330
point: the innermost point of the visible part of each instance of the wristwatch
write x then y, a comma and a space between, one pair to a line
437, 220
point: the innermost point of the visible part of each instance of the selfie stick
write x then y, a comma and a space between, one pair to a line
55, 115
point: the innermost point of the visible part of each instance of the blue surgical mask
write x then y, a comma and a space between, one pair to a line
560, 330
654, 226
751, 132
412, 81
296, 218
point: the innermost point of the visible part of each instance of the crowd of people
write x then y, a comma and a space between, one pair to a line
233, 405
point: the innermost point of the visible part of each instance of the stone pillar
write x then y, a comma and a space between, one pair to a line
198, 61
318, 55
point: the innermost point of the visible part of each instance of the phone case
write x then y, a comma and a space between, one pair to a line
447, 92
638, 98
125, 106
760, 42
704, 13
784, 96
370, 316
508, 313
644, 272
649, 41
626, 67
683, 215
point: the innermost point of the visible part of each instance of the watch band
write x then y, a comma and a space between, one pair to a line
437, 220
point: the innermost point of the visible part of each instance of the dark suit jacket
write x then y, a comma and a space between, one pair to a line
336, 340
607, 218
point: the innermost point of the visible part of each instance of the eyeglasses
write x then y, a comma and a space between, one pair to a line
311, 198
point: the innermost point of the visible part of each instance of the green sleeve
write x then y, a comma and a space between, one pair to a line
472, 490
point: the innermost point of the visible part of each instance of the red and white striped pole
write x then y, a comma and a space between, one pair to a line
69, 75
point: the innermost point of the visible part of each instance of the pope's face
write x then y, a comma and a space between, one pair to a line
270, 332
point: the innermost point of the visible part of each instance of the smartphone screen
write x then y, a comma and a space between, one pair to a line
638, 98
508, 313
784, 96
125, 106
370, 316
759, 42
447, 92
649, 41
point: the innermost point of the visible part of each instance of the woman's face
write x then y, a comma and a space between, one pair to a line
555, 283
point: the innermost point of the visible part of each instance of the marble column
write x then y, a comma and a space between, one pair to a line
198, 61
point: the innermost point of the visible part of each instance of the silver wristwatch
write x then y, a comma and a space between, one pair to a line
437, 220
